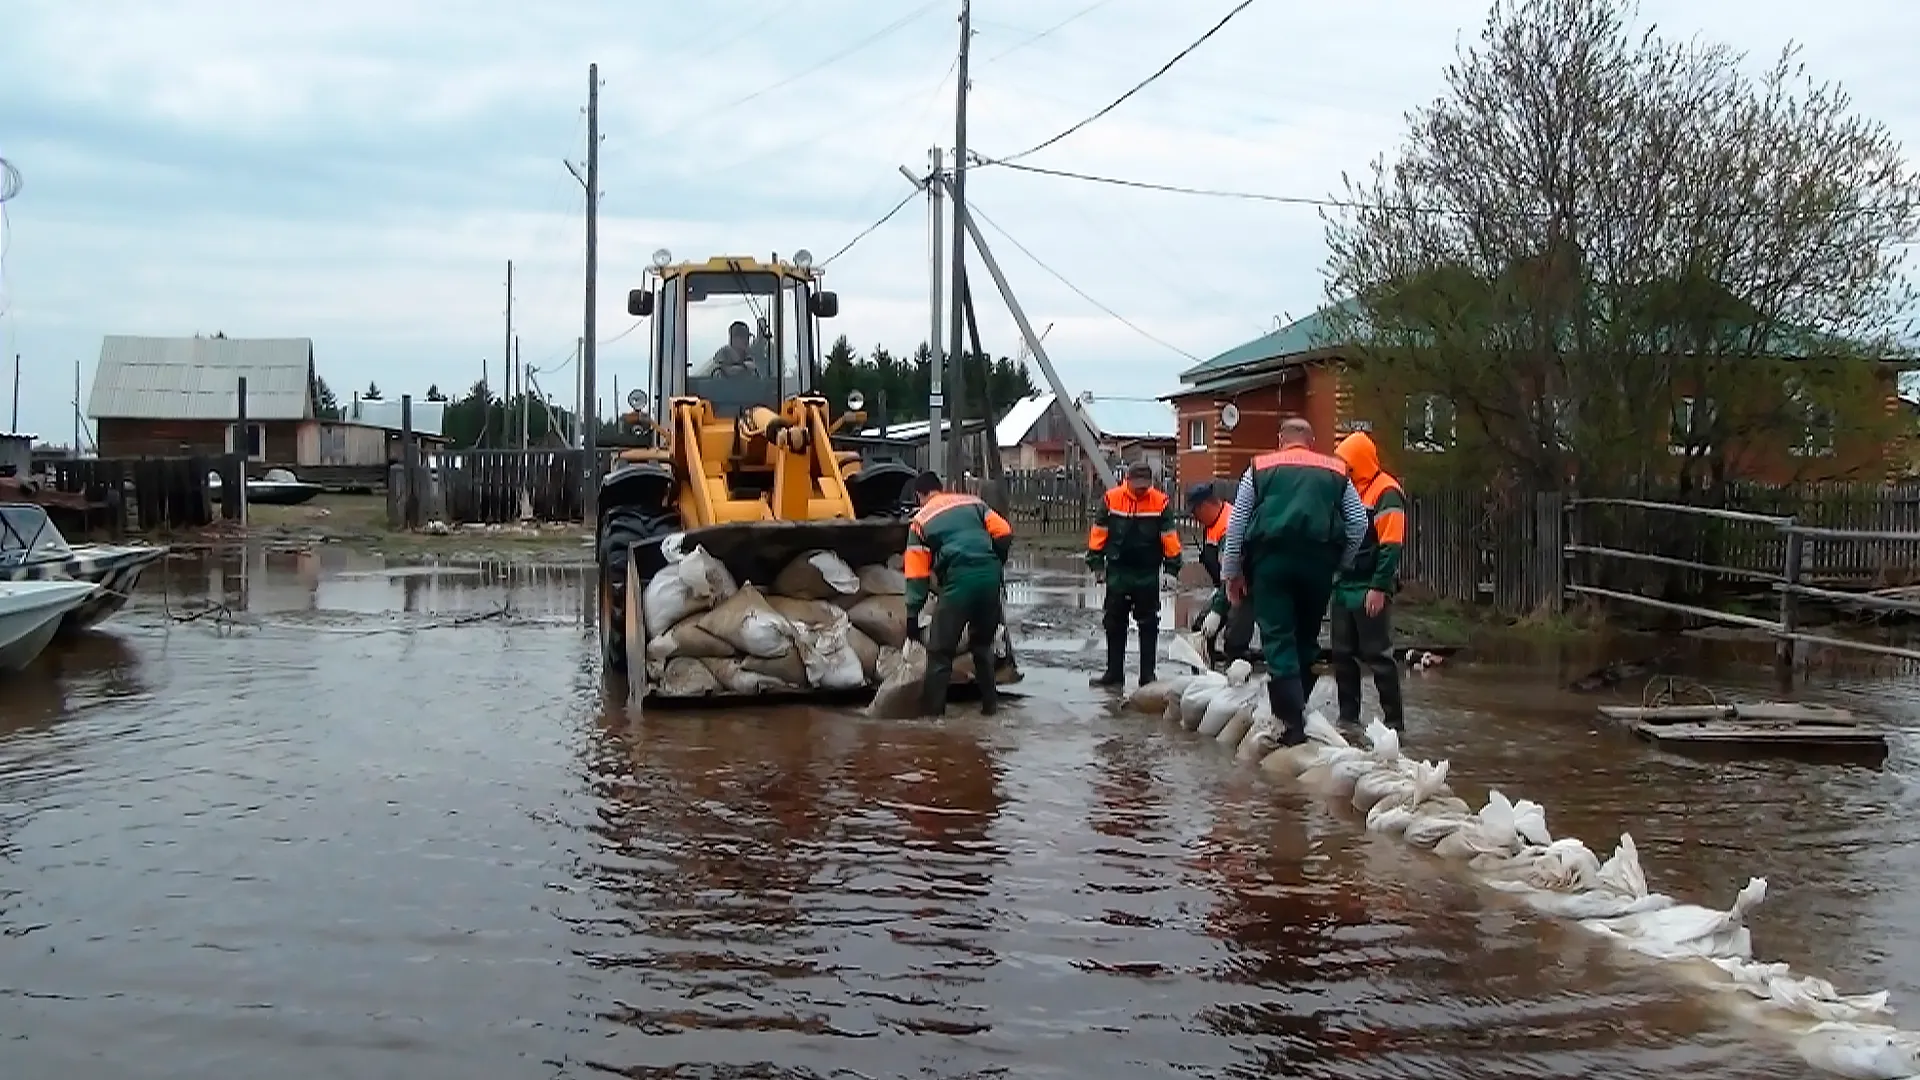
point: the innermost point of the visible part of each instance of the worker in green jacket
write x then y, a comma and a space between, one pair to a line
1206, 507
963, 543
1362, 628
1296, 522
1131, 543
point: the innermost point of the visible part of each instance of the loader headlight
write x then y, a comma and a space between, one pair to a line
662, 257
856, 401
637, 400
803, 258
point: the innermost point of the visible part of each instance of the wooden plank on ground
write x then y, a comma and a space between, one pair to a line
1666, 714
1726, 733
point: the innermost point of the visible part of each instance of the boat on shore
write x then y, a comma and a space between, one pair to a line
279, 488
33, 549
31, 613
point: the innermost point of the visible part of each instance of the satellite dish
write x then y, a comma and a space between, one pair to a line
1229, 416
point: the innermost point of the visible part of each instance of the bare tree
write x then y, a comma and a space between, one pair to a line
1599, 245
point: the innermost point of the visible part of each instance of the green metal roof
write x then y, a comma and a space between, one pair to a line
1314, 332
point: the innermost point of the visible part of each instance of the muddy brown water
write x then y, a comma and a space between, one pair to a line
343, 833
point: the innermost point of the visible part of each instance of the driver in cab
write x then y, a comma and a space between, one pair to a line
740, 356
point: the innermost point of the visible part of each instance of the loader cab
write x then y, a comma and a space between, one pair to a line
734, 330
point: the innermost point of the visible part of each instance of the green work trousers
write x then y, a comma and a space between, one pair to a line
1289, 594
975, 610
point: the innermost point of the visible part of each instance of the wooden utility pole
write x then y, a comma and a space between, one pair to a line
956, 349
506, 358
15, 427
520, 389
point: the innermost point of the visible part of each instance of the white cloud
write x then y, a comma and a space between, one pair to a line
361, 172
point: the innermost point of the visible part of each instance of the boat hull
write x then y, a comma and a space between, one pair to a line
277, 494
114, 572
27, 630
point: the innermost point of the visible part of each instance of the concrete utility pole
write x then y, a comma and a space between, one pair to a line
506, 362
956, 348
15, 427
589, 372
936, 362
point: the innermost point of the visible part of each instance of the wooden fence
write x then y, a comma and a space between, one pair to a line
492, 487
122, 495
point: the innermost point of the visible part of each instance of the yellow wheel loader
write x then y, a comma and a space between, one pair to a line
738, 459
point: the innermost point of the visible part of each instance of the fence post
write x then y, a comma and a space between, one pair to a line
243, 444
1783, 649
409, 466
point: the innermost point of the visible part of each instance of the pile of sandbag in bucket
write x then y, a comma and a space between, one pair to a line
1507, 844
819, 624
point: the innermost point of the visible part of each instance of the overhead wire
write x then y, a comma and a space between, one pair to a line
973, 210
1030, 39
869, 230
1136, 88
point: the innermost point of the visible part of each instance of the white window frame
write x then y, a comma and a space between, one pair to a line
1816, 439
233, 430
1197, 433
1428, 439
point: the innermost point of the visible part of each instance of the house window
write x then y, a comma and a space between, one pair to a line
1196, 434
1816, 422
1689, 429
1430, 426
256, 441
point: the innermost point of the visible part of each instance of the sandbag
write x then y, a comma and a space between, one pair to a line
897, 561
1189, 651
748, 622
881, 618
1491, 831
736, 678
878, 580
1688, 930
1262, 738
1564, 866
1814, 998
685, 676
829, 661
898, 697
1239, 697
1153, 697
689, 584
687, 639
1861, 1051
1394, 810
790, 668
803, 612
1235, 729
866, 650
817, 575
1427, 830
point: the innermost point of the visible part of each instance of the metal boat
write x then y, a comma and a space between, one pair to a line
279, 488
30, 616
32, 549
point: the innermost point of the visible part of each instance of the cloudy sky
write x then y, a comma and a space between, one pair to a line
360, 173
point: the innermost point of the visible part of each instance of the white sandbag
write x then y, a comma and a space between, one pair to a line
887, 663
897, 561
1861, 1051
749, 623
1188, 651
687, 639
828, 659
1171, 714
689, 584
1427, 830
898, 697
735, 678
817, 575
685, 676
1226, 701
1263, 737
1530, 822
1153, 697
1618, 888
882, 618
803, 612
1394, 810
880, 580
1383, 741
1564, 866
1491, 831
1198, 695
1688, 930
1816, 999
1236, 729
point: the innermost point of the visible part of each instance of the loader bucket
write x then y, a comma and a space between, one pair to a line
755, 553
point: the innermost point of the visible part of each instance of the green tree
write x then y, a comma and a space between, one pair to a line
434, 394
372, 392
1606, 252
325, 405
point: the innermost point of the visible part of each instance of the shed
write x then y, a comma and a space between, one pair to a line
16, 454
369, 433
171, 396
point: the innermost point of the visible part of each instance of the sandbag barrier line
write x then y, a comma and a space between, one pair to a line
1508, 847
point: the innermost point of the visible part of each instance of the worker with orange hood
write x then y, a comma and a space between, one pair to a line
1361, 613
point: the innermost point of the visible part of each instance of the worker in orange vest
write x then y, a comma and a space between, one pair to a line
1361, 616
1132, 542
1210, 511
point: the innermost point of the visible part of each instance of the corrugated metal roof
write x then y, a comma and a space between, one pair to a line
1128, 418
1316, 331
429, 417
1020, 419
143, 378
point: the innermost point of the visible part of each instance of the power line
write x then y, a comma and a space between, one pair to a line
973, 209
868, 231
1352, 204
1137, 87
1031, 38
863, 43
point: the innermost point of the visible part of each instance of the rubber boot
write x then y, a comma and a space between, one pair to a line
1149, 650
933, 693
1348, 683
989, 692
1289, 704
1392, 712
1115, 675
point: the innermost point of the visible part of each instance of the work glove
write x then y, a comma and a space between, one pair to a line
1210, 625
914, 631
1099, 575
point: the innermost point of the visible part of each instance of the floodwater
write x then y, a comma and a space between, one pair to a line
362, 824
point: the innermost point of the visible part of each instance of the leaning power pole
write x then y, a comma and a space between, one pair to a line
956, 349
